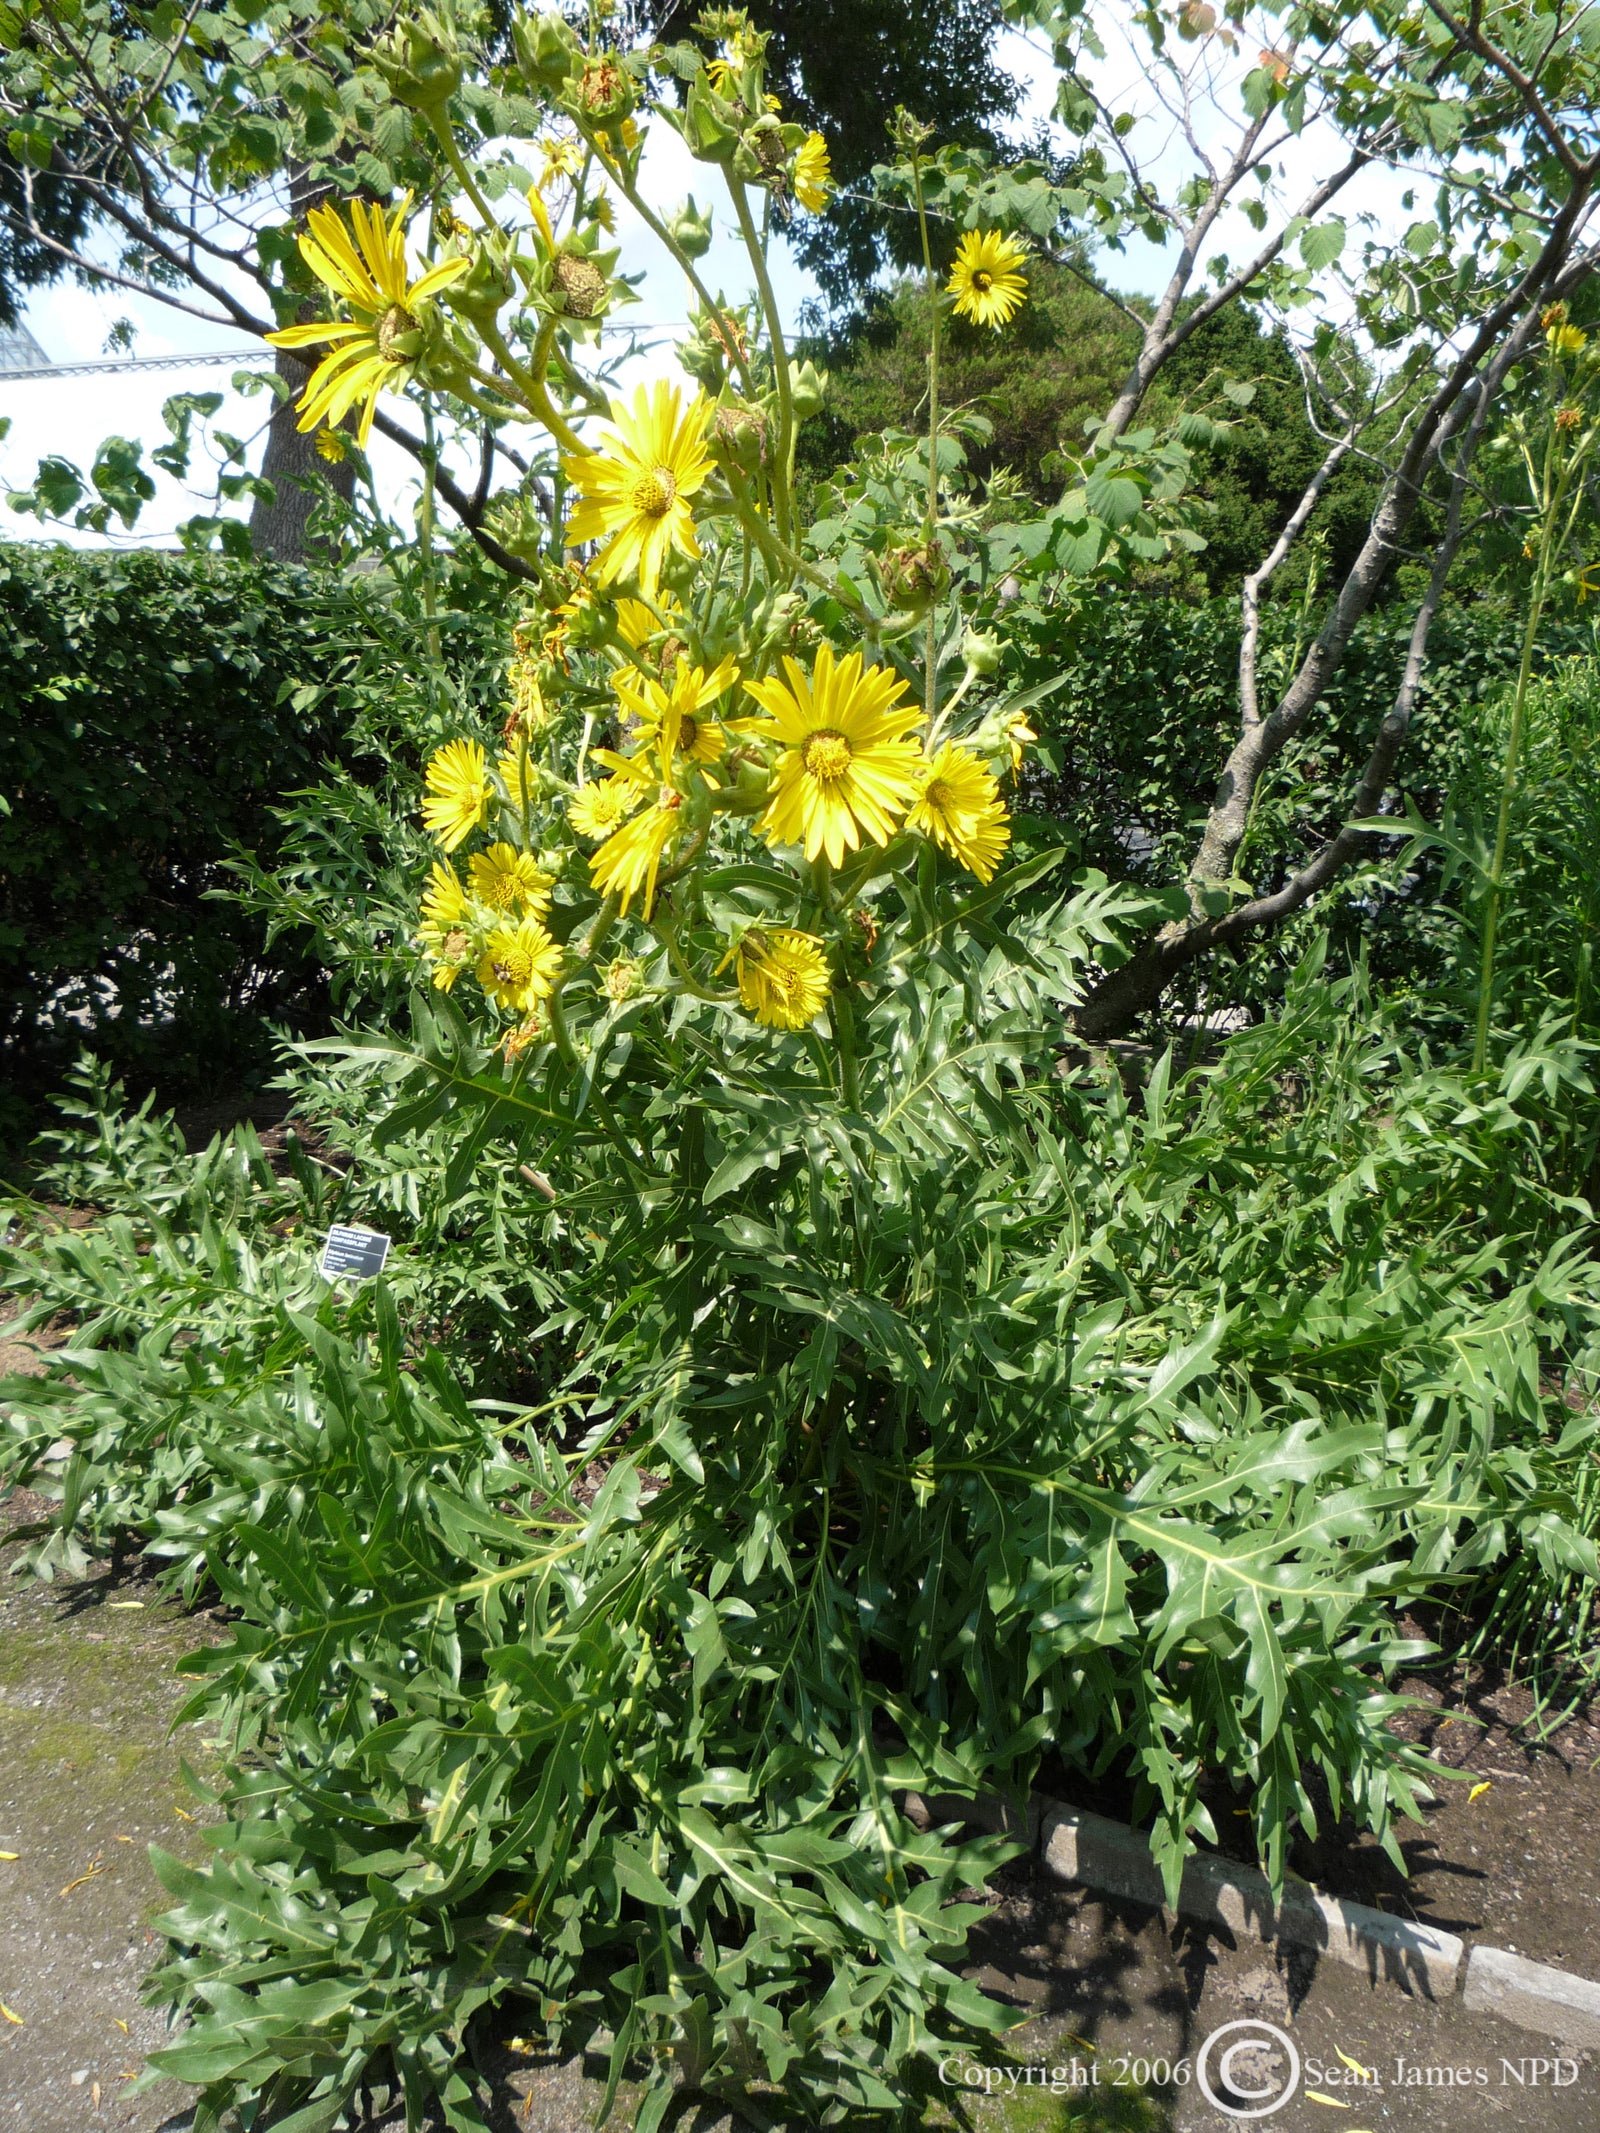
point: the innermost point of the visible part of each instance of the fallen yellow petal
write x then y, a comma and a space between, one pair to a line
1333, 2103
96, 1866
1367, 2073
1478, 1791
10, 1855
126, 2031
10, 2017
180, 1811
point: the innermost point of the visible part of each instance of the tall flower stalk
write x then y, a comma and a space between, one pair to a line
1555, 470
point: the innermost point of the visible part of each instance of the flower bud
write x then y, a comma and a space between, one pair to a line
739, 434
421, 62
690, 231
808, 388
707, 132
547, 51
912, 577
982, 653
486, 287
604, 91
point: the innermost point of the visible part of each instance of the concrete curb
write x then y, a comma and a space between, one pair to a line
1535, 1996
1105, 1855
1422, 1960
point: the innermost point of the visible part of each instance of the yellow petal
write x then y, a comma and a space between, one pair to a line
1478, 1791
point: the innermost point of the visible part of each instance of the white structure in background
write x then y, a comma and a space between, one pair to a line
19, 350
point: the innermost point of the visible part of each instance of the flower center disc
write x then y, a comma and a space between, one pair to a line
396, 321
937, 795
826, 755
688, 733
514, 968
982, 281
655, 493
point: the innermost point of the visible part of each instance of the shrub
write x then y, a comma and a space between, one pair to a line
145, 727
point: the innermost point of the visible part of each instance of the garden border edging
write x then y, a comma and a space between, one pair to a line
1095, 1853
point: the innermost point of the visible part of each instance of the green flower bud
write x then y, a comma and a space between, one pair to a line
707, 132
421, 62
981, 653
913, 577
487, 286
808, 388
547, 51
739, 434
690, 231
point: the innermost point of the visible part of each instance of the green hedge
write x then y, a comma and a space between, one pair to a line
145, 728
1138, 729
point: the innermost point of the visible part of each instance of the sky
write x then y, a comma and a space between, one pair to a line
69, 416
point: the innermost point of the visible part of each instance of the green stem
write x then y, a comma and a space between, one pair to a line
425, 521
931, 684
1508, 775
467, 181
658, 229
783, 457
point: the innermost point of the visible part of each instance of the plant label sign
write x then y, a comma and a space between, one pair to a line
357, 1252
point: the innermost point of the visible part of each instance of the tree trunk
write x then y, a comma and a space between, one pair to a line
278, 529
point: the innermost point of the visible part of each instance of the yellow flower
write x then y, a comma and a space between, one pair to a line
519, 965
846, 766
600, 807
630, 859
1567, 340
562, 159
670, 720
783, 978
637, 624
635, 492
1019, 737
723, 75
509, 880
383, 336
813, 173
960, 808
331, 447
986, 280
442, 935
457, 793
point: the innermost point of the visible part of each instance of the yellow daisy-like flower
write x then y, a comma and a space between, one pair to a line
960, 808
562, 159
383, 335
630, 859
442, 935
637, 624
1567, 340
457, 793
784, 980
813, 174
519, 965
602, 806
986, 280
847, 768
635, 491
508, 880
723, 75
331, 447
670, 720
